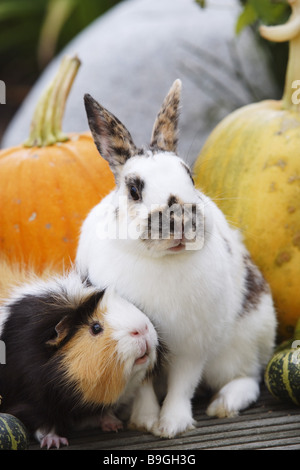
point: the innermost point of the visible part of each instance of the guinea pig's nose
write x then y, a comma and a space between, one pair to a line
139, 331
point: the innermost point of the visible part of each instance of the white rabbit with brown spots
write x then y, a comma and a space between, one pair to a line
169, 250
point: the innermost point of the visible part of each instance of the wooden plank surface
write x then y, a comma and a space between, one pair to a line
269, 424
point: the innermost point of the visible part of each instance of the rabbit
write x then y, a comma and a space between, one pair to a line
168, 249
74, 353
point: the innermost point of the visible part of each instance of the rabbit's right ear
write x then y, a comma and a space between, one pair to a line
111, 137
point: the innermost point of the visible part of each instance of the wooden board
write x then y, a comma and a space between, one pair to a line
269, 424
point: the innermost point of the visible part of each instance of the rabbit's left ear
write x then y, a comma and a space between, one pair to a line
111, 137
164, 133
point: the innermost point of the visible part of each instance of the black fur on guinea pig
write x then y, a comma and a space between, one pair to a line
73, 352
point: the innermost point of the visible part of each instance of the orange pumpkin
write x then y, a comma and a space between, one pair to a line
49, 184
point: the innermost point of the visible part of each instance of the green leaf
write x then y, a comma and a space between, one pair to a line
246, 18
268, 11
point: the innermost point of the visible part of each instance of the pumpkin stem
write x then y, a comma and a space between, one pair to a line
289, 31
46, 125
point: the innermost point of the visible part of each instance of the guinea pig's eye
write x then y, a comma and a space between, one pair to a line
96, 328
134, 193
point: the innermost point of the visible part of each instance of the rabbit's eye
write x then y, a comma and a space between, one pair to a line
134, 193
135, 186
96, 328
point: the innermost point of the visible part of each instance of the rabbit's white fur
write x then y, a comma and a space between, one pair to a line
211, 305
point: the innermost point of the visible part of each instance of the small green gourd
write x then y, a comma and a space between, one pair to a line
282, 375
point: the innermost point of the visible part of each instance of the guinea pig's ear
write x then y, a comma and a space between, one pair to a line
164, 134
60, 332
111, 137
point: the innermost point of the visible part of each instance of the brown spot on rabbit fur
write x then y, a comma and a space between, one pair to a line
255, 285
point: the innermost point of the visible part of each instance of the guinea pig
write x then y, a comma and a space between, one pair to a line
73, 353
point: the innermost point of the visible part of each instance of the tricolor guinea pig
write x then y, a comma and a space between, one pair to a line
74, 353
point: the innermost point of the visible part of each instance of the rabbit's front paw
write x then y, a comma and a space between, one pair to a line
144, 421
145, 409
170, 425
144, 416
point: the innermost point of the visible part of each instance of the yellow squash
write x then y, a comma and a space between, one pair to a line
250, 166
